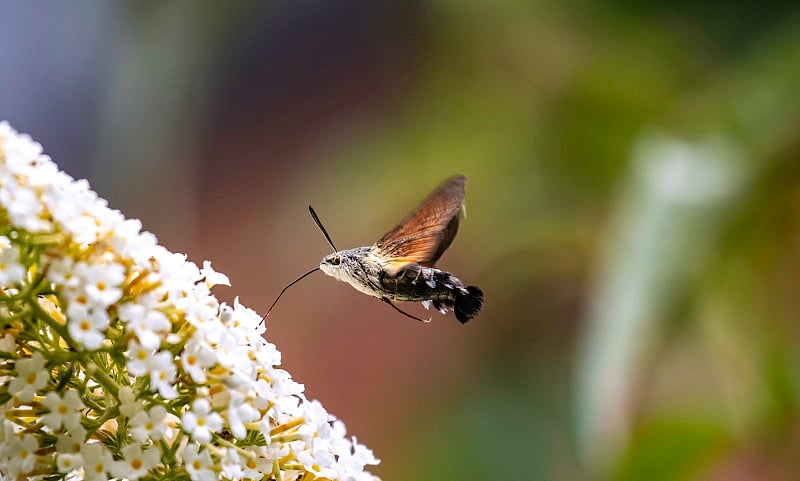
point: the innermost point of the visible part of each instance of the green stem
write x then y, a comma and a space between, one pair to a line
105, 380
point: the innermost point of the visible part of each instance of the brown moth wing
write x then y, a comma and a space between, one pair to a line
424, 235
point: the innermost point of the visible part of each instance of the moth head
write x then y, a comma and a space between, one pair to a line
331, 264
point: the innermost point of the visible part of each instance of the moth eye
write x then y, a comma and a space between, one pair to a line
336, 261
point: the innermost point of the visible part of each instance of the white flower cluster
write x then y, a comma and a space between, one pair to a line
116, 362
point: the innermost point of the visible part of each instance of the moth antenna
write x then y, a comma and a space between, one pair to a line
288, 286
319, 224
384, 299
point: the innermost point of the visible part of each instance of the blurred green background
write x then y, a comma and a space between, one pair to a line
633, 200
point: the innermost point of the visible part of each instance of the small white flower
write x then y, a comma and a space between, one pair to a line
240, 411
138, 359
23, 451
162, 374
61, 408
250, 323
266, 354
149, 325
336, 436
130, 241
66, 463
201, 421
150, 425
255, 467
212, 277
97, 462
275, 451
86, 325
232, 465
316, 417
318, 460
134, 463
199, 464
197, 355
31, 376
72, 441
102, 282
352, 463
61, 272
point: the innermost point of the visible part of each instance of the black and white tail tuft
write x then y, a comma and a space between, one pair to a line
469, 304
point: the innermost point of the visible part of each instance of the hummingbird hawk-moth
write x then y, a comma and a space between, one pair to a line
400, 265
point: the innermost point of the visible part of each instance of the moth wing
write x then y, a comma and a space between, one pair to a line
425, 233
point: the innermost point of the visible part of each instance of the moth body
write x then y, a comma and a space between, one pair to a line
400, 265
367, 272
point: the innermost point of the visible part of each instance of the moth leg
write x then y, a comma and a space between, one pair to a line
386, 300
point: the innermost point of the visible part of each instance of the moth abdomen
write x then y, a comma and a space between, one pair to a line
434, 287
466, 302
468, 305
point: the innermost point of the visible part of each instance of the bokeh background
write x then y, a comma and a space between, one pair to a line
633, 200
